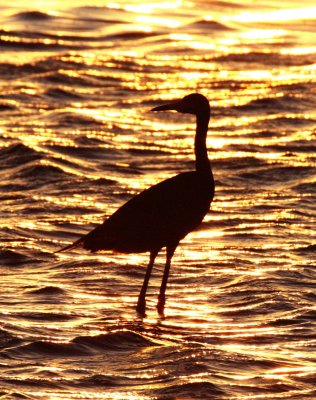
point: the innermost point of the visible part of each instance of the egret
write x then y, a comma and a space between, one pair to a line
159, 217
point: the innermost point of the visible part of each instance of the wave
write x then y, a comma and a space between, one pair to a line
48, 291
11, 41
7, 339
83, 345
13, 258
26, 164
62, 94
43, 316
37, 41
220, 4
275, 104
45, 348
100, 380
295, 122
276, 174
10, 70
119, 341
7, 107
305, 187
132, 35
32, 16
91, 151
18, 154
206, 25
264, 58
194, 390
31, 383
66, 119
63, 78
38, 174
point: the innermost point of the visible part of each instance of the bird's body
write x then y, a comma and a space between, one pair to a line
157, 217
163, 214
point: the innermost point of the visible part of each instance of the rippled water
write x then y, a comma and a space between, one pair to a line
77, 140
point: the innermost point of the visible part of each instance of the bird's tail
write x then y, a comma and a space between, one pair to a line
71, 246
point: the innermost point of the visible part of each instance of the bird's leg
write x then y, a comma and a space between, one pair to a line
162, 297
141, 303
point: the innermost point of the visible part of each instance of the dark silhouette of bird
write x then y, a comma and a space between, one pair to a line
165, 213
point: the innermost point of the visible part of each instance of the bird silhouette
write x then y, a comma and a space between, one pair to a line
165, 213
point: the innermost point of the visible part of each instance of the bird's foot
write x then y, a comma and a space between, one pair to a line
141, 307
161, 304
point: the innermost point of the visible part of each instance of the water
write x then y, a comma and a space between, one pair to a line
77, 140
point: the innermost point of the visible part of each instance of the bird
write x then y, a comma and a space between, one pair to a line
162, 215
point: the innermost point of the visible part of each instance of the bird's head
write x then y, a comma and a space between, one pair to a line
194, 103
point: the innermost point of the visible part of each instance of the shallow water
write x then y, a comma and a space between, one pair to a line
77, 140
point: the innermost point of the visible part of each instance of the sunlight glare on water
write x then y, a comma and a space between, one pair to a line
77, 140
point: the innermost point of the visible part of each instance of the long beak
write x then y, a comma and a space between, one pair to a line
174, 105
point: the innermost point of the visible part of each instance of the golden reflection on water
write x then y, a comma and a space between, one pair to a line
143, 131
169, 23
290, 14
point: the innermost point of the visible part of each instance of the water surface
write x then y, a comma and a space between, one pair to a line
77, 140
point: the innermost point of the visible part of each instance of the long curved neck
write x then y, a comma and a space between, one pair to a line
202, 163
